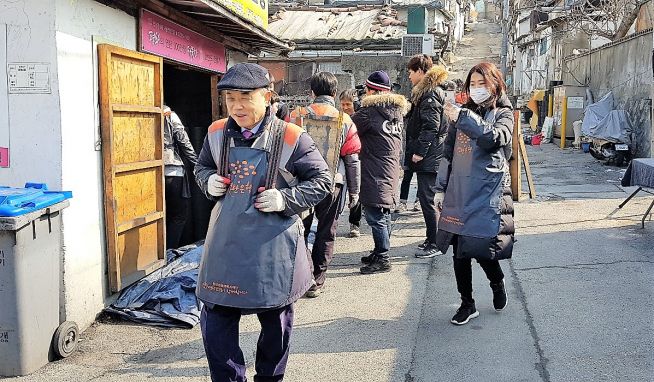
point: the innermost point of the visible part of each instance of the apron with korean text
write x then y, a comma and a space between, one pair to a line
249, 256
472, 201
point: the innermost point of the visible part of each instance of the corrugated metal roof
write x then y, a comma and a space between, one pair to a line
337, 24
220, 18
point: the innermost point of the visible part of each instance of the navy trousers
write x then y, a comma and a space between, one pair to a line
220, 330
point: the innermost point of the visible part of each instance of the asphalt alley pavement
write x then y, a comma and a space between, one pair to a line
580, 289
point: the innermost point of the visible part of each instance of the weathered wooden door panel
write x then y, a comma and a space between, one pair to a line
132, 149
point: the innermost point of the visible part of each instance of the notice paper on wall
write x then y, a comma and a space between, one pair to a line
4, 99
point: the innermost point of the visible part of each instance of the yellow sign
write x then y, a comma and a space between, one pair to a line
255, 11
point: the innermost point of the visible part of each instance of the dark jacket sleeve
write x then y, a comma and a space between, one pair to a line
184, 144
353, 173
445, 166
489, 136
204, 168
350, 155
312, 173
361, 120
430, 120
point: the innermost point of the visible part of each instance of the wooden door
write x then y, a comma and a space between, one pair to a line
132, 149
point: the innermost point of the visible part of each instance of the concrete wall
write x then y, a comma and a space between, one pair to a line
626, 69
80, 26
395, 66
30, 123
235, 57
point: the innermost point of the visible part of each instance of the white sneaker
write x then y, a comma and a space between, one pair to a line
354, 231
400, 208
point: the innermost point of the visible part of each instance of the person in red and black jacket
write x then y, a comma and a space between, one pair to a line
324, 87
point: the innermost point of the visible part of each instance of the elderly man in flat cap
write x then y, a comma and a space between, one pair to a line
263, 173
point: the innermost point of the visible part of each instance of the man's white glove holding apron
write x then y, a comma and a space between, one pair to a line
270, 200
217, 185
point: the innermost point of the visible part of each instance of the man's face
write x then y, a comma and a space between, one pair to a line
247, 108
347, 106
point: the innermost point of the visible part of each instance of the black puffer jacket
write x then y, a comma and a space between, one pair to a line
379, 124
496, 141
426, 127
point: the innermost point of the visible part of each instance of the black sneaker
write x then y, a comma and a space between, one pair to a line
376, 266
465, 313
368, 259
423, 244
428, 252
499, 296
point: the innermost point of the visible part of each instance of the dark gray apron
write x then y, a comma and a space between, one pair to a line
249, 256
472, 201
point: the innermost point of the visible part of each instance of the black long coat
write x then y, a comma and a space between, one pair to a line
426, 126
380, 124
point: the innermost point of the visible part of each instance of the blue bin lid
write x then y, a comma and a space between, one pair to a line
20, 201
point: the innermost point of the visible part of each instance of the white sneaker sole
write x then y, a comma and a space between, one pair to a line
421, 256
507, 299
470, 317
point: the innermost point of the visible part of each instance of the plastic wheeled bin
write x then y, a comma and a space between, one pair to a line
30, 279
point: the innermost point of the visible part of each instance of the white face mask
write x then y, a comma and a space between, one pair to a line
479, 95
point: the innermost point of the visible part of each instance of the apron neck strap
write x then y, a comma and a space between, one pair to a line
276, 139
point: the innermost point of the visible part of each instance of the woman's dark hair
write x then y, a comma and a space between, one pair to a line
324, 83
420, 62
493, 78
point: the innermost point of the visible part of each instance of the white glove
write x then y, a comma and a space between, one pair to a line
270, 201
217, 185
354, 199
438, 199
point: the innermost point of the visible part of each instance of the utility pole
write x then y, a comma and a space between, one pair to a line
505, 38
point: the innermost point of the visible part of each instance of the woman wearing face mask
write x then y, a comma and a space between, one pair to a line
474, 193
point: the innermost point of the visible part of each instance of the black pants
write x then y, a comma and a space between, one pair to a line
323, 246
426, 194
355, 215
463, 273
406, 185
176, 210
219, 326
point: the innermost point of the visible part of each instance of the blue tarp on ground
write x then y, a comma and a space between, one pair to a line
166, 297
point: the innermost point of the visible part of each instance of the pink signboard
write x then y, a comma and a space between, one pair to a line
165, 38
4, 157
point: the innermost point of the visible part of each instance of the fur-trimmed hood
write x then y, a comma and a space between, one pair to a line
435, 76
387, 99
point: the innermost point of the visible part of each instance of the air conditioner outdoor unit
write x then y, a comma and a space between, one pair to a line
413, 44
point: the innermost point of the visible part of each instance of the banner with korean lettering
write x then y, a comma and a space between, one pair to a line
168, 39
255, 11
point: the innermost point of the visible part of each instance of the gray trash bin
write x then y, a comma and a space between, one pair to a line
30, 278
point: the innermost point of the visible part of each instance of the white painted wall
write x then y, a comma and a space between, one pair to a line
460, 20
524, 27
80, 25
33, 119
